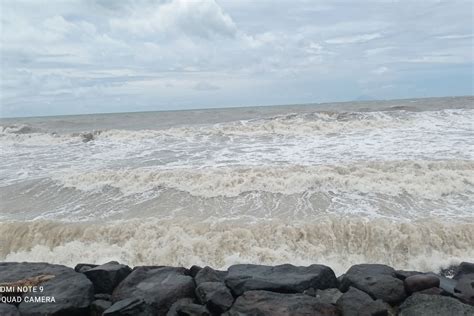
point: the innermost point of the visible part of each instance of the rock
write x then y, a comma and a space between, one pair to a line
465, 290
283, 278
83, 267
353, 301
465, 268
449, 271
446, 284
402, 274
420, 282
328, 296
107, 276
129, 307
72, 291
194, 270
207, 274
176, 305
192, 310
432, 291
215, 295
102, 296
159, 287
87, 137
377, 280
265, 303
99, 306
310, 292
434, 305
8, 310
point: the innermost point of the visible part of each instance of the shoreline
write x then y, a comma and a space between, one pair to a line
243, 289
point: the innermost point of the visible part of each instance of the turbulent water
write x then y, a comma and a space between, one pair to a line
339, 184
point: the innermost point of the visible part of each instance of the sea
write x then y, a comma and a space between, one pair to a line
387, 182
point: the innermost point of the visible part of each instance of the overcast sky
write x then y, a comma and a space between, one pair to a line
67, 57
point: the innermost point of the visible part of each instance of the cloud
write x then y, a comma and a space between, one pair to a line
205, 86
455, 36
355, 39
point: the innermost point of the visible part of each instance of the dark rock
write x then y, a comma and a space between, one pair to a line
449, 271
129, 307
465, 290
420, 282
402, 274
215, 295
464, 269
72, 291
99, 306
328, 296
283, 278
194, 270
107, 276
8, 310
310, 292
446, 284
83, 267
176, 305
207, 274
103, 296
158, 287
434, 305
192, 310
432, 291
353, 301
265, 303
377, 280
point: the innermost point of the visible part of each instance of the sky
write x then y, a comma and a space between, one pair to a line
96, 56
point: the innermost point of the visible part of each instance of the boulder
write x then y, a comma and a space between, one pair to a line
192, 310
284, 278
420, 282
129, 307
355, 302
464, 269
434, 305
465, 290
107, 276
194, 270
328, 296
265, 303
177, 305
207, 274
83, 267
159, 287
8, 310
402, 274
446, 284
377, 280
72, 292
98, 307
215, 295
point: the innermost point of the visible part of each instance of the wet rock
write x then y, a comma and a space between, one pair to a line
215, 295
194, 270
446, 284
465, 290
434, 305
449, 271
432, 291
72, 291
328, 296
103, 296
420, 282
159, 287
98, 307
107, 276
353, 301
285, 278
192, 310
207, 274
402, 274
83, 267
377, 280
465, 269
265, 303
8, 310
87, 137
129, 307
176, 305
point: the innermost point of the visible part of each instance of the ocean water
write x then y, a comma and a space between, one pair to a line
341, 183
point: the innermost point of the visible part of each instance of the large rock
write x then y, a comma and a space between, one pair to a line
215, 295
72, 292
434, 305
420, 282
265, 303
159, 287
377, 280
8, 310
465, 290
283, 278
107, 276
328, 296
130, 307
464, 269
207, 274
83, 267
355, 302
98, 307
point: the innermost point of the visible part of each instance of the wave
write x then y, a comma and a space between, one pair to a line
337, 241
302, 124
435, 179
